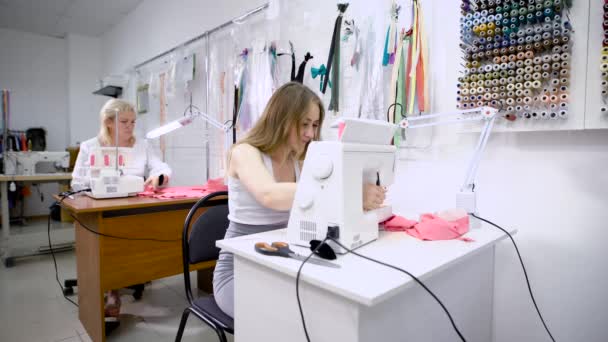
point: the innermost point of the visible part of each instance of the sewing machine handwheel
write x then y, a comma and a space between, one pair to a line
323, 167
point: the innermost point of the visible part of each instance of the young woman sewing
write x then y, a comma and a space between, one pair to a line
263, 170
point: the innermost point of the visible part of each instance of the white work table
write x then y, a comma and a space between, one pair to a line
365, 301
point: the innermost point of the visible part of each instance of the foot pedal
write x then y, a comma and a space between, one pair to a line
111, 324
70, 283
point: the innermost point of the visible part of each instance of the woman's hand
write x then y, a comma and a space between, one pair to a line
155, 182
373, 196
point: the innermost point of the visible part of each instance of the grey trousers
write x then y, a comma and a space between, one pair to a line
223, 276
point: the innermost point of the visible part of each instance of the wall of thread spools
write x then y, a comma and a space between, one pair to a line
517, 57
604, 59
596, 110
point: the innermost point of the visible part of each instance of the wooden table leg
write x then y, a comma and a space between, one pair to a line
90, 293
4, 241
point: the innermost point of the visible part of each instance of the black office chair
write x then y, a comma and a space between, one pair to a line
198, 245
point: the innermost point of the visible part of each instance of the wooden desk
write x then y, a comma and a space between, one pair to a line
5, 244
105, 263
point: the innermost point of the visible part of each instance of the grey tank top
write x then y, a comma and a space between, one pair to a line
245, 209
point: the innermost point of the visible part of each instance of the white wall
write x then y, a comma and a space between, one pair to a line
552, 186
156, 26
51, 80
84, 72
34, 68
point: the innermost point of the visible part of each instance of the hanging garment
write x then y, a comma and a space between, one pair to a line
371, 96
258, 86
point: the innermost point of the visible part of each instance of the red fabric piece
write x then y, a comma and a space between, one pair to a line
431, 227
212, 185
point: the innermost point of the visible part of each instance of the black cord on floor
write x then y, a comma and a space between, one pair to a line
298, 288
413, 277
525, 273
63, 196
121, 237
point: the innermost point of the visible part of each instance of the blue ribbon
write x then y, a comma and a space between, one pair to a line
322, 72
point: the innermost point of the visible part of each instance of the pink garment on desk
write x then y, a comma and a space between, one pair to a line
212, 185
430, 227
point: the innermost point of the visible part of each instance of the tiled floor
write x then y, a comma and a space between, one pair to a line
32, 307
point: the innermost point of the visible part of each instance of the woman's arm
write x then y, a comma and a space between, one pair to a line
246, 163
80, 175
156, 167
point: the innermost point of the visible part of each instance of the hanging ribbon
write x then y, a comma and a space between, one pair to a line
395, 77
293, 61
390, 44
334, 59
301, 69
416, 87
352, 30
322, 72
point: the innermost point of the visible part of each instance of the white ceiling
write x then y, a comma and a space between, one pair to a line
59, 17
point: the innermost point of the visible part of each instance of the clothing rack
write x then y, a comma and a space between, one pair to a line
203, 35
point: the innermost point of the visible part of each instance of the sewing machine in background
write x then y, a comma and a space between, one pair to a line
329, 195
38, 162
108, 173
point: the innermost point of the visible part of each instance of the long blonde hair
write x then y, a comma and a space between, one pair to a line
286, 109
108, 112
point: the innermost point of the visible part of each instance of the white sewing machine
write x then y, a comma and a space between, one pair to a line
27, 163
107, 174
330, 190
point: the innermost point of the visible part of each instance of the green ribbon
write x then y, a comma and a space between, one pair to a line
322, 73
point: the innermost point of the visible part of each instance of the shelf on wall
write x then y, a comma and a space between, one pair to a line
111, 91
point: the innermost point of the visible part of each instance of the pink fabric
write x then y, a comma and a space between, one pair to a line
212, 185
430, 227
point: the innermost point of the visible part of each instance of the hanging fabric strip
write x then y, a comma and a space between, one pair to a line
335, 36
394, 78
423, 89
414, 64
351, 29
302, 68
334, 102
401, 87
390, 45
163, 114
293, 61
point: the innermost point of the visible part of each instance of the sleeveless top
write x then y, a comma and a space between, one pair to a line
245, 209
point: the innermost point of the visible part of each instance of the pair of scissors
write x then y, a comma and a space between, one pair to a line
282, 249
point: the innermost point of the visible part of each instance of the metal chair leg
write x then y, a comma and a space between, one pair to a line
220, 334
182, 325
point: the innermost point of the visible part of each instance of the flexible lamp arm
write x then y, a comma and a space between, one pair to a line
184, 121
466, 196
